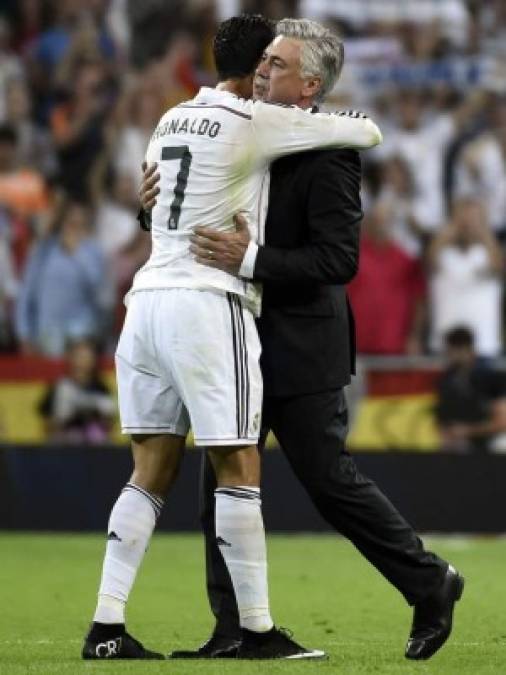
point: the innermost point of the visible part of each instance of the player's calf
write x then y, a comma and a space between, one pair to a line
131, 524
240, 532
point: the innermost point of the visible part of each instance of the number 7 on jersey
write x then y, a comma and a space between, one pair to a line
183, 154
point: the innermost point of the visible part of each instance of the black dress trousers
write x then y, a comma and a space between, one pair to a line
311, 430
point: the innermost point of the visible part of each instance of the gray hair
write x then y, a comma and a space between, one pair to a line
322, 53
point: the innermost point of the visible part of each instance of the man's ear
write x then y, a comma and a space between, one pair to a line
311, 87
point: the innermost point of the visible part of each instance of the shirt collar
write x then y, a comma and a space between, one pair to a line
207, 94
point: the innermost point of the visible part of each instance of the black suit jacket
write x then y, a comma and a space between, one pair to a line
311, 251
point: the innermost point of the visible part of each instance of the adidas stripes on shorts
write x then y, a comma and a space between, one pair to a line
190, 358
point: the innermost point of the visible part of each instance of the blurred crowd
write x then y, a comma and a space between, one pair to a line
83, 83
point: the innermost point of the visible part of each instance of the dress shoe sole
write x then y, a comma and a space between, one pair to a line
458, 589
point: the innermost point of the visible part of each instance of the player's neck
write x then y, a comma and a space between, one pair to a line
241, 87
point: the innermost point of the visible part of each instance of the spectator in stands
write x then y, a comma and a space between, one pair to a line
28, 20
65, 289
78, 408
397, 190
116, 223
480, 170
35, 147
492, 27
79, 126
388, 293
23, 197
125, 245
499, 123
63, 64
144, 108
75, 29
22, 189
421, 139
466, 264
8, 282
471, 406
10, 65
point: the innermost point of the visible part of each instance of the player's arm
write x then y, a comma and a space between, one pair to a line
334, 216
330, 257
147, 194
280, 130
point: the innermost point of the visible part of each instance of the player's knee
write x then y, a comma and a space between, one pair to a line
244, 476
239, 466
155, 475
156, 462
156, 482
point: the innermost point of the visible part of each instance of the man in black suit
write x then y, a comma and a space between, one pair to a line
307, 335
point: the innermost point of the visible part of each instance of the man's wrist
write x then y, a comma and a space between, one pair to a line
247, 268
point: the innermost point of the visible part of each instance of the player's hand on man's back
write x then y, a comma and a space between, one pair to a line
149, 187
222, 250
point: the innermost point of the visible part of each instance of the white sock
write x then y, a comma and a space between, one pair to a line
241, 538
131, 525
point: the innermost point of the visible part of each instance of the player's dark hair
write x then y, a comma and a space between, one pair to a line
461, 336
240, 43
8, 134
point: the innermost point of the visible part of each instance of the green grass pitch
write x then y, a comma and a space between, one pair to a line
321, 588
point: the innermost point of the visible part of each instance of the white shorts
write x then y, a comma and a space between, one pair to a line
190, 358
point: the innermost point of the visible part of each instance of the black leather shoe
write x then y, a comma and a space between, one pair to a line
217, 647
432, 619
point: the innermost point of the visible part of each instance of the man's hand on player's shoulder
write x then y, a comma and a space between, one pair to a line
221, 250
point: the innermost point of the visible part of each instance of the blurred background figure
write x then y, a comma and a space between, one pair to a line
466, 263
397, 191
480, 169
420, 140
84, 82
79, 127
35, 145
8, 284
471, 403
388, 295
11, 66
22, 188
24, 200
143, 108
64, 291
126, 247
78, 408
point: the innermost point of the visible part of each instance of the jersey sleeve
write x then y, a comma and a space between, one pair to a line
285, 130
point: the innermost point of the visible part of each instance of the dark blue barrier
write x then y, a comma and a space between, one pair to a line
73, 488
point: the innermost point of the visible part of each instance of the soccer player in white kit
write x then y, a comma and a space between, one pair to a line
189, 352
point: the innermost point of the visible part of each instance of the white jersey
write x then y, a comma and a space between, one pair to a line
213, 154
